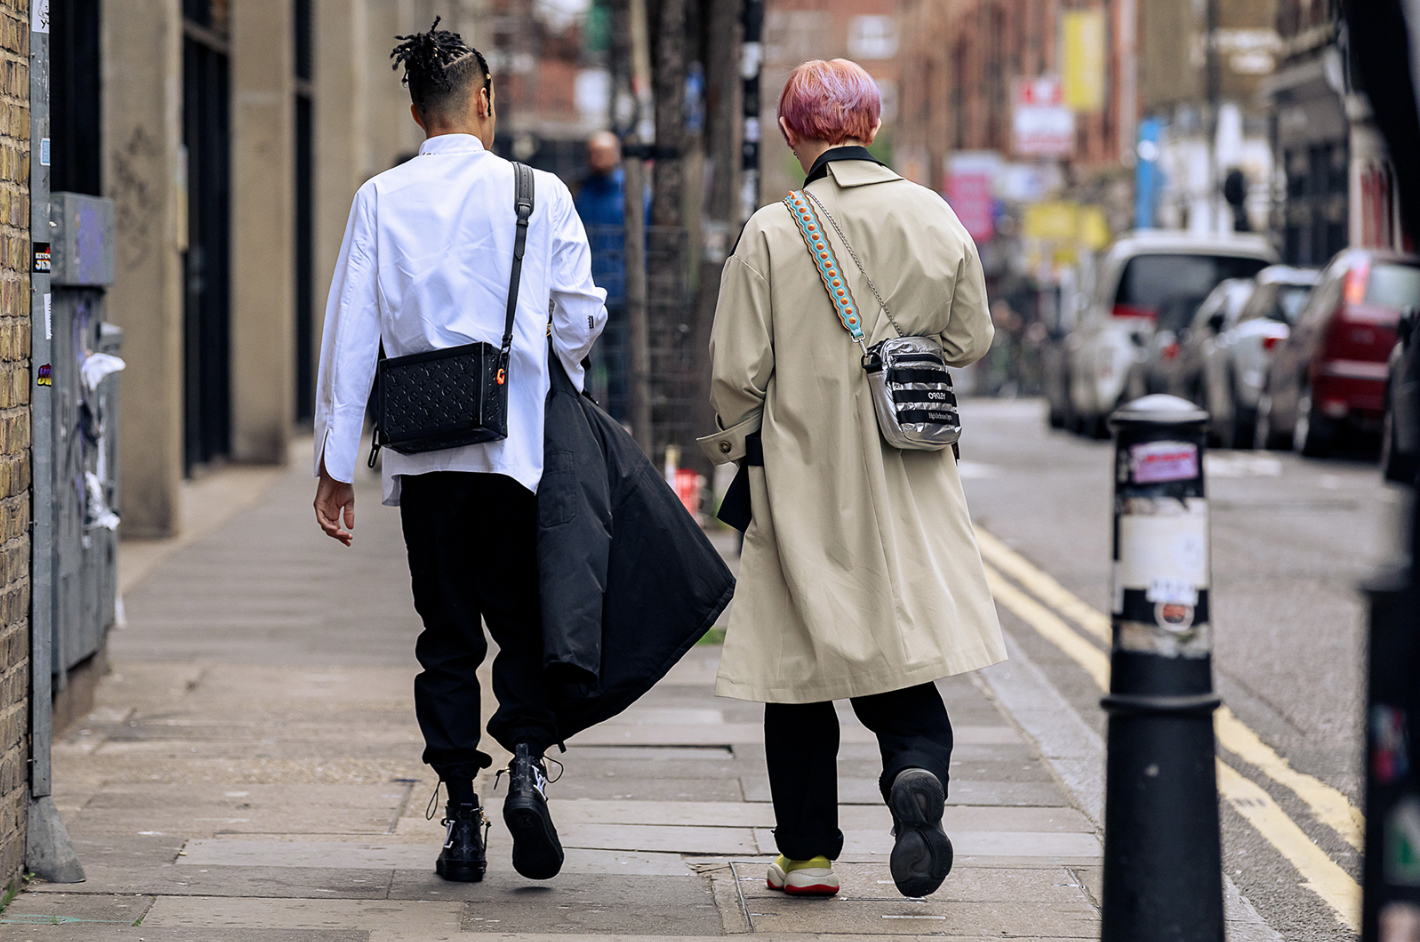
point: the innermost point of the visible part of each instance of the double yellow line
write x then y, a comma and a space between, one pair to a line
1066, 621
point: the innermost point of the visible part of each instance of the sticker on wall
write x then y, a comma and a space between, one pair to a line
45, 379
44, 152
39, 16
48, 316
43, 259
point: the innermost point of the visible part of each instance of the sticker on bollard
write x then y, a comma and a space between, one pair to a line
1156, 462
1161, 576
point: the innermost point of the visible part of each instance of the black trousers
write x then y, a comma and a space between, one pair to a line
473, 559
801, 747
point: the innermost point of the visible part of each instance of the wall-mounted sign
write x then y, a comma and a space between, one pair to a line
1083, 51
1041, 125
970, 183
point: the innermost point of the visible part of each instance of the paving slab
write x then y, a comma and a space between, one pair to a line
655, 715
312, 882
418, 858
592, 904
238, 913
157, 809
97, 932
938, 915
1042, 844
581, 764
31, 908
960, 792
122, 850
650, 734
614, 786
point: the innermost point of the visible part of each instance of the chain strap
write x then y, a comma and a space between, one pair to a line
847, 245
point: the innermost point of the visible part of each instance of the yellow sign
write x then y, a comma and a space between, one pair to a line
1062, 221
1082, 49
1055, 221
1094, 228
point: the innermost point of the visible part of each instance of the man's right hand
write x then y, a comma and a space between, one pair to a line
333, 497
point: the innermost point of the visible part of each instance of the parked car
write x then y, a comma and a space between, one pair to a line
1400, 428
1146, 278
1175, 355
1329, 376
1235, 358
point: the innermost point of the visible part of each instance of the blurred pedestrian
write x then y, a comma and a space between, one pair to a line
601, 202
861, 576
1003, 363
425, 266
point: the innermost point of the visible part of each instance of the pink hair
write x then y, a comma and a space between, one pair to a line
831, 101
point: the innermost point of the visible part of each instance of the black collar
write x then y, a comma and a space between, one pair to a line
852, 152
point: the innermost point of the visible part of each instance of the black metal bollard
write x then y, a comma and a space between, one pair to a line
1162, 854
1390, 907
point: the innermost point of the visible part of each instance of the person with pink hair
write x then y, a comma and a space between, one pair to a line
860, 577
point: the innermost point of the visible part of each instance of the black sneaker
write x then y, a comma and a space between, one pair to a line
463, 859
537, 853
922, 856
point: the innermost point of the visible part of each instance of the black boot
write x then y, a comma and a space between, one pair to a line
463, 859
537, 853
922, 855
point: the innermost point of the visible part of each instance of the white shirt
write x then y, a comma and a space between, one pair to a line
425, 265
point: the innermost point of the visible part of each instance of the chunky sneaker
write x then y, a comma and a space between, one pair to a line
813, 877
537, 853
922, 856
462, 860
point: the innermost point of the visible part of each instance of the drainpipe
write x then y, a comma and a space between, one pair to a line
48, 852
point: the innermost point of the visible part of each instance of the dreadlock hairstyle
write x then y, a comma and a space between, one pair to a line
439, 69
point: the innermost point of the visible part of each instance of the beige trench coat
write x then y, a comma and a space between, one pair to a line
860, 572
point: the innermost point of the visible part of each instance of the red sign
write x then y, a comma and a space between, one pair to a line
970, 196
1039, 91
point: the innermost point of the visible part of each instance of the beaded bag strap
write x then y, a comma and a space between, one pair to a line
834, 282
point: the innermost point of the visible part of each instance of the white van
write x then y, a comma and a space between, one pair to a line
1148, 280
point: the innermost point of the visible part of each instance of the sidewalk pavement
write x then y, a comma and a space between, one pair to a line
251, 772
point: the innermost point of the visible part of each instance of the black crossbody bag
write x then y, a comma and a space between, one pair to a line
458, 395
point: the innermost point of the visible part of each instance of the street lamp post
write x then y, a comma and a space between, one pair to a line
750, 67
1163, 859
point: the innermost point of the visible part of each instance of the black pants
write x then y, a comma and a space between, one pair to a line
473, 559
801, 746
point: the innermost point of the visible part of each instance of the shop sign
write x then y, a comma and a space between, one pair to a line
1041, 125
970, 183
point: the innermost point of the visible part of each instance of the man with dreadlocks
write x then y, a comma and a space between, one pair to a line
425, 266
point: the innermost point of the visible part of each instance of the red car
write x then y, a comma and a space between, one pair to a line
1329, 375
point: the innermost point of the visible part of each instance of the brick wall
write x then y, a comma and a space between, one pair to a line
14, 433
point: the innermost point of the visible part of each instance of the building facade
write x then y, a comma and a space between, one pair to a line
963, 59
1339, 187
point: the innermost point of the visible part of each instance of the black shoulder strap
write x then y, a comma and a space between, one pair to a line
523, 204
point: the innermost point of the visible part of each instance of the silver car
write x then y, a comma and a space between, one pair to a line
1146, 280
1235, 360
